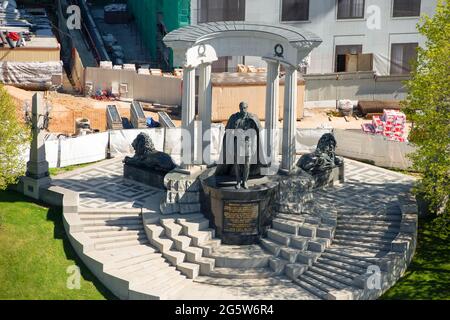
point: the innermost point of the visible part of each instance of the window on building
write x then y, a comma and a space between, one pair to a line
350, 9
406, 8
221, 10
295, 10
341, 56
402, 57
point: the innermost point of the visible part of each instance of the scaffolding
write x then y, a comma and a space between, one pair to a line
154, 18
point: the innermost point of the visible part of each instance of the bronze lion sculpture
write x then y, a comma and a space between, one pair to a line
323, 159
146, 156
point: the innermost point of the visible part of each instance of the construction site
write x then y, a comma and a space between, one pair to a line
114, 73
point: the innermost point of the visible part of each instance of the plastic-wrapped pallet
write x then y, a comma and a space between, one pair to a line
345, 107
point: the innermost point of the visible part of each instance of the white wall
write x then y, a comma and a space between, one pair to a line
323, 22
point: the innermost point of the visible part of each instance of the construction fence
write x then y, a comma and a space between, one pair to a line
128, 84
353, 86
352, 144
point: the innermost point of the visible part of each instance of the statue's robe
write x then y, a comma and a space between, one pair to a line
226, 167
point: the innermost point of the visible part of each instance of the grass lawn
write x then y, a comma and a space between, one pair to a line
428, 275
56, 171
35, 254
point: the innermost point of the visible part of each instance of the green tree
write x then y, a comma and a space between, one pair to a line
14, 136
428, 106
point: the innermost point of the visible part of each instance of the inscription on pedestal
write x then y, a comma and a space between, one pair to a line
240, 218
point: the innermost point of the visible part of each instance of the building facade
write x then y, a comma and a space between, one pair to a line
358, 35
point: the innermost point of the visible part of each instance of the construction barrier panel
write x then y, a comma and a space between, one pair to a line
350, 143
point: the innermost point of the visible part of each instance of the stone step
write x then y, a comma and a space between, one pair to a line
116, 223
190, 270
193, 253
201, 237
133, 260
132, 271
335, 269
102, 229
287, 226
361, 244
278, 265
344, 256
171, 228
174, 257
243, 283
365, 227
335, 263
300, 242
372, 223
163, 244
161, 287
280, 237
125, 253
307, 257
368, 217
190, 226
289, 254
252, 256
181, 242
119, 255
291, 217
322, 286
241, 273
295, 270
321, 294
318, 245
120, 238
117, 216
307, 230
123, 244
115, 233
325, 232
271, 246
209, 246
374, 234
324, 279
359, 238
206, 265
154, 278
348, 281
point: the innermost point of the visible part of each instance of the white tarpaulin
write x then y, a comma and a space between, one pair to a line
51, 152
29, 73
85, 149
306, 139
374, 148
121, 140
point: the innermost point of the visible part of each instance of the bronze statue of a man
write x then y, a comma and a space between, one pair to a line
242, 135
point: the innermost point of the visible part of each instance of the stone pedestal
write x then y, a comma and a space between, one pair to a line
148, 177
296, 189
240, 217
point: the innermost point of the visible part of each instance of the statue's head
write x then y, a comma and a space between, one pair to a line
143, 144
327, 144
243, 107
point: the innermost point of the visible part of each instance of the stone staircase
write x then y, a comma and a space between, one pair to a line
296, 241
188, 244
361, 242
118, 251
185, 241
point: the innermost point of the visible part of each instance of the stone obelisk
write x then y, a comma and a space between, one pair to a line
37, 175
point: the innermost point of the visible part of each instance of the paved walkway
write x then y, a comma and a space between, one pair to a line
110, 209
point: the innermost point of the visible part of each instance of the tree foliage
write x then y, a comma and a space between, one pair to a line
428, 106
14, 136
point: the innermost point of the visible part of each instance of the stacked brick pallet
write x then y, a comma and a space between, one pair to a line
391, 125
